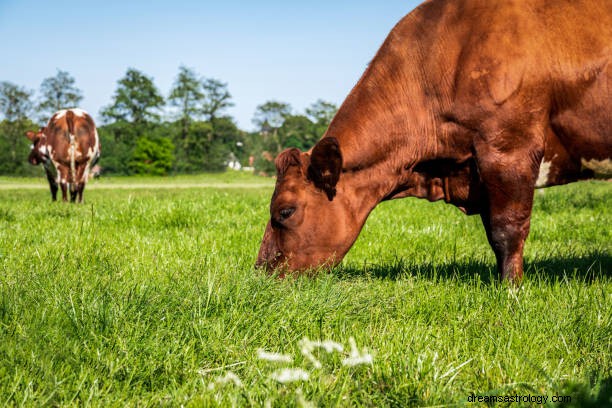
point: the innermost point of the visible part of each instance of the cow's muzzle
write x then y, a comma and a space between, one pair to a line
269, 256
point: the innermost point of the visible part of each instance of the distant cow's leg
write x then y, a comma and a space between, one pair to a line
52, 184
80, 188
509, 180
64, 187
82, 175
62, 177
73, 192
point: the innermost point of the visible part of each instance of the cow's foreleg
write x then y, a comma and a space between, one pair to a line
52, 184
509, 181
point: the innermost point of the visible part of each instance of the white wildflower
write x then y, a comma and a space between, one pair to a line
307, 348
290, 375
229, 377
329, 346
356, 357
274, 357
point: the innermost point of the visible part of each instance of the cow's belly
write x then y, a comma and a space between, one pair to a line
567, 162
578, 143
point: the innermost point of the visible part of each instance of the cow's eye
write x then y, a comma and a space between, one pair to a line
286, 212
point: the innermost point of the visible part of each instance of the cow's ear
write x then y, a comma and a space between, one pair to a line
287, 158
31, 135
326, 165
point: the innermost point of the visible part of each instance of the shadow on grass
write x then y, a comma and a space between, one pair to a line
584, 268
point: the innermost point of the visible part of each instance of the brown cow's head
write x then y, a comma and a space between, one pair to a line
38, 153
311, 222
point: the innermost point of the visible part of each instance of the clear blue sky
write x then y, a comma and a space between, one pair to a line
295, 52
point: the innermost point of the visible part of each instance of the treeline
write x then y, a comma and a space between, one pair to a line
143, 132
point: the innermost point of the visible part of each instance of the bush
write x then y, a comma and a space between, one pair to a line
152, 156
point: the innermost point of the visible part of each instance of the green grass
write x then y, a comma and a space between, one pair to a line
148, 297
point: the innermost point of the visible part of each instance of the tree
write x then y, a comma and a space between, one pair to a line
298, 131
136, 99
216, 98
58, 92
186, 94
271, 114
269, 117
321, 112
15, 106
152, 156
15, 102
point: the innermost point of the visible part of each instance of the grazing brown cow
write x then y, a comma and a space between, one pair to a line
475, 102
67, 148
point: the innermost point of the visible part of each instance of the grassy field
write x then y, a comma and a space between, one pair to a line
147, 296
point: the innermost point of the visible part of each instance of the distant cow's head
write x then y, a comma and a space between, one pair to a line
38, 152
311, 222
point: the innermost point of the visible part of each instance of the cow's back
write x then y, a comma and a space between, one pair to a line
524, 61
72, 126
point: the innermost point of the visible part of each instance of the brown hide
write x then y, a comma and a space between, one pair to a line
67, 147
475, 102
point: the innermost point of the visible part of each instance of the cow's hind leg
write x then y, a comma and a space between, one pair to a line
509, 180
80, 188
82, 176
64, 187
73, 192
62, 177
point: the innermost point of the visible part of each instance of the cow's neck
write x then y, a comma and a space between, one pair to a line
394, 135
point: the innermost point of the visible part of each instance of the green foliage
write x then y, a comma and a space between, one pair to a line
135, 113
216, 98
58, 92
281, 130
322, 112
298, 131
15, 148
152, 156
15, 101
118, 141
271, 115
186, 94
147, 296
136, 100
202, 150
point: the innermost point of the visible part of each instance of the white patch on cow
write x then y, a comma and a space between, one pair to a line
97, 141
600, 167
543, 175
72, 155
85, 176
43, 149
92, 153
79, 112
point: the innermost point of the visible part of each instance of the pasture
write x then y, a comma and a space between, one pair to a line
146, 295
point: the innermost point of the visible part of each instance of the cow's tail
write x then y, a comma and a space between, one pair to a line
72, 149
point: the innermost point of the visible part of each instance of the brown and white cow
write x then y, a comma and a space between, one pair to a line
67, 148
475, 102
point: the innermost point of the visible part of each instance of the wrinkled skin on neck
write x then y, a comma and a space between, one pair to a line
314, 216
